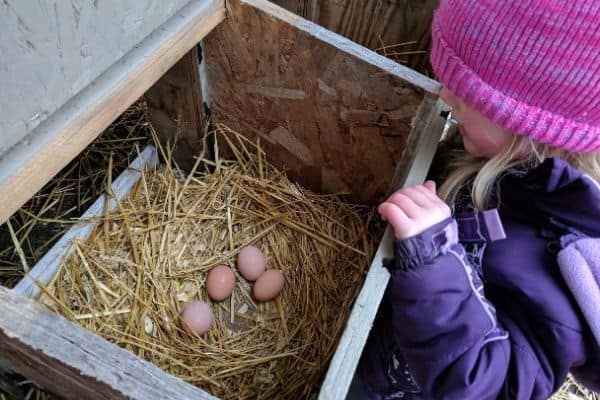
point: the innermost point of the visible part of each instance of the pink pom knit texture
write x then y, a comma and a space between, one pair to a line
531, 66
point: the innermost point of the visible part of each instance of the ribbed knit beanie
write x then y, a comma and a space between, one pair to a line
531, 66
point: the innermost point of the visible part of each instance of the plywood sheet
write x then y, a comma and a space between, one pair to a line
335, 114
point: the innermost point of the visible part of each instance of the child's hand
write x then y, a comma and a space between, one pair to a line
413, 210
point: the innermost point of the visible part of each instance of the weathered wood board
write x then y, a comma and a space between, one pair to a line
372, 22
51, 50
61, 136
75, 363
335, 114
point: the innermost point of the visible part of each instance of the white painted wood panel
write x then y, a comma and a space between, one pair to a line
51, 49
61, 136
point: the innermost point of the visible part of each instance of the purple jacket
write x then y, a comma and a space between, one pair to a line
469, 316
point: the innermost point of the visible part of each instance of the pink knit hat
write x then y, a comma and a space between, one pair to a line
531, 66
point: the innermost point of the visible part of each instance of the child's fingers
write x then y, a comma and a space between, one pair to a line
430, 185
425, 191
421, 196
406, 204
393, 215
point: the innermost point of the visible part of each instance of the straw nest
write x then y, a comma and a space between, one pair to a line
36, 226
151, 256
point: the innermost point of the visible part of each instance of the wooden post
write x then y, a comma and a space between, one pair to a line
175, 106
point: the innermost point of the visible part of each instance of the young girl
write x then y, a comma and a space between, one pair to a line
477, 306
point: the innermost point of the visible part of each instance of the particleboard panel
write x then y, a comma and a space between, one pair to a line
75, 363
61, 136
366, 21
335, 114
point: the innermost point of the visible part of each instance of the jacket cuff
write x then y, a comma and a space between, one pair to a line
423, 248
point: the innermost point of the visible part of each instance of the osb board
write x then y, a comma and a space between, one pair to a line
371, 22
335, 114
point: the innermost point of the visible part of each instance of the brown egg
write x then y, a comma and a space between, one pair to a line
269, 285
197, 317
251, 263
220, 282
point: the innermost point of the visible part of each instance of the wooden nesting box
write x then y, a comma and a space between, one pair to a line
336, 115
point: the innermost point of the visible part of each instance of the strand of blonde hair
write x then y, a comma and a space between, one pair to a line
522, 154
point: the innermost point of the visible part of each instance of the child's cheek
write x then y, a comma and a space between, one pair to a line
488, 138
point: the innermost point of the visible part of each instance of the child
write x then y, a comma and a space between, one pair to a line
477, 306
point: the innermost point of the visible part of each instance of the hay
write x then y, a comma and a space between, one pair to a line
572, 390
399, 51
149, 257
34, 228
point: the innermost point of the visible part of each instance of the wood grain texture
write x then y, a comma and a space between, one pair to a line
76, 364
335, 114
427, 131
175, 108
51, 50
47, 267
304, 8
428, 128
371, 22
57, 140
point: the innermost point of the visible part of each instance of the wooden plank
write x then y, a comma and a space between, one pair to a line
27, 167
76, 364
175, 108
371, 22
47, 267
332, 112
51, 50
427, 131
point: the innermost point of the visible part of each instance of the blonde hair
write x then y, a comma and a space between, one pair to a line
522, 154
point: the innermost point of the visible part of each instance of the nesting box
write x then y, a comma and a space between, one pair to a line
335, 115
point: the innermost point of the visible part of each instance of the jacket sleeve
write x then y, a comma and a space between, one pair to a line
448, 332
